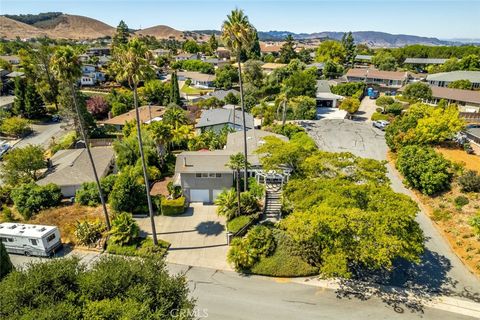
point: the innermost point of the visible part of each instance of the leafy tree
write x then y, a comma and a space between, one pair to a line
15, 126
30, 198
22, 164
288, 130
350, 105
125, 229
438, 125
5, 264
470, 62
128, 193
175, 116
395, 108
225, 77
97, 106
330, 50
191, 46
127, 150
175, 90
213, 43
112, 288
332, 69
132, 64
276, 153
19, 100
384, 60
304, 56
238, 34
210, 139
121, 36
87, 194
253, 73
424, 169
300, 83
418, 91
349, 89
232, 98
66, 67
227, 203
303, 108
350, 48
156, 92
194, 65
236, 163
287, 51
461, 84
162, 135
384, 101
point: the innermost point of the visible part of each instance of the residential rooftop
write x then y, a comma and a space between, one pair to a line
273, 66
376, 74
198, 76
469, 96
473, 76
221, 116
6, 101
146, 113
425, 61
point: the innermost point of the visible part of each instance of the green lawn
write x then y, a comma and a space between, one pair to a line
194, 91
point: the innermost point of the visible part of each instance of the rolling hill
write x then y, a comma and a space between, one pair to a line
75, 27
11, 29
166, 32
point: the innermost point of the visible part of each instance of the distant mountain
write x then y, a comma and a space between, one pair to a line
166, 32
11, 29
370, 38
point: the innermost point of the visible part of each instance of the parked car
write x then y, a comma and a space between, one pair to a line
30, 239
4, 149
381, 124
374, 95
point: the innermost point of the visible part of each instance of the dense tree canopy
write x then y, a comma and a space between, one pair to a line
22, 164
330, 50
384, 60
418, 91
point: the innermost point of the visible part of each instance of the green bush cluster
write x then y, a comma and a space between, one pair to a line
380, 116
125, 229
88, 233
139, 248
30, 198
470, 181
245, 252
424, 169
461, 201
227, 203
349, 89
384, 101
111, 288
87, 194
15, 126
441, 215
172, 207
475, 223
65, 143
237, 223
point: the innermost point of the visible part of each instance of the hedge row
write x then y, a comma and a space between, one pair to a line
173, 207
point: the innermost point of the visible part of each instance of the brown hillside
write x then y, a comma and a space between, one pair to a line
11, 29
166, 32
75, 27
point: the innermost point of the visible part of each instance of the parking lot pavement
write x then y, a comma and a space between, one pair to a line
197, 237
357, 137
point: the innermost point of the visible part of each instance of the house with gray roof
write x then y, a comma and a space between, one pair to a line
424, 61
70, 168
442, 79
217, 119
221, 94
204, 174
325, 97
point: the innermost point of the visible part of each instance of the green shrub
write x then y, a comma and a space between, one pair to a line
441, 215
236, 224
124, 229
227, 203
173, 190
475, 223
470, 181
128, 193
379, 116
245, 252
461, 201
424, 169
348, 89
5, 263
15, 126
283, 262
395, 108
256, 189
140, 248
87, 194
30, 198
384, 101
7, 214
88, 233
66, 142
173, 207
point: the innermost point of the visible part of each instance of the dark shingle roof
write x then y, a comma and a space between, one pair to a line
221, 116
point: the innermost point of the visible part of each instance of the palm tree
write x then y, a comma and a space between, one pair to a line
131, 63
238, 34
162, 135
66, 67
236, 163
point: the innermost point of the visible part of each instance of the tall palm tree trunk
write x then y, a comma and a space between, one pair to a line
92, 163
238, 192
242, 104
284, 112
144, 166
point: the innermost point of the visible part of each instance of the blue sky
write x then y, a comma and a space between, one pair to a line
435, 18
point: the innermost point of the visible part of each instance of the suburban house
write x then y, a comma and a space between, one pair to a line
325, 97
199, 80
216, 62
70, 168
90, 75
318, 65
98, 51
270, 48
442, 79
270, 66
203, 175
221, 94
223, 53
147, 114
424, 61
186, 56
467, 100
160, 53
217, 119
382, 79
13, 60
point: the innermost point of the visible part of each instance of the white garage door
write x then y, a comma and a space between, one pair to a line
216, 193
199, 195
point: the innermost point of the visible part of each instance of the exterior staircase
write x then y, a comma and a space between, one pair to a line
273, 203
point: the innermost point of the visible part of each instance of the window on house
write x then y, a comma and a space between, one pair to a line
33, 241
218, 175
198, 175
211, 175
51, 237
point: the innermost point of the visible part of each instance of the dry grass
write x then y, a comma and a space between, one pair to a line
65, 218
469, 161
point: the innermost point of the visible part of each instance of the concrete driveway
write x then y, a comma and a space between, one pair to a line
367, 108
440, 270
197, 237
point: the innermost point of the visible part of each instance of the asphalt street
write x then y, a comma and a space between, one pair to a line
42, 134
228, 295
440, 271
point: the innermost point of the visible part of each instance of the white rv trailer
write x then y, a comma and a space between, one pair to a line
30, 239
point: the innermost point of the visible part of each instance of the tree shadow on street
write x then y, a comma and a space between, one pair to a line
407, 285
